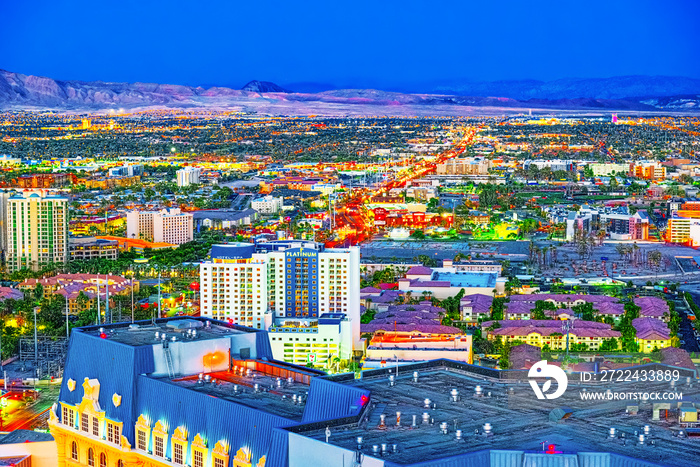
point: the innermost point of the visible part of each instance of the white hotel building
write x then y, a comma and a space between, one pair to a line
306, 296
167, 226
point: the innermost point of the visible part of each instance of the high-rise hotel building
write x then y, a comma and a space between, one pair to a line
36, 230
299, 291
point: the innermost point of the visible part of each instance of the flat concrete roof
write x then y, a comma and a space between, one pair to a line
144, 332
270, 396
520, 421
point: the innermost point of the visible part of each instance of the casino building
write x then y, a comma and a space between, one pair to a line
306, 295
203, 393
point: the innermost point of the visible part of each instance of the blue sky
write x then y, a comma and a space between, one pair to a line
381, 43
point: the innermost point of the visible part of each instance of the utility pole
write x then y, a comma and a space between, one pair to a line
159, 315
99, 315
108, 318
67, 330
36, 342
132, 296
566, 326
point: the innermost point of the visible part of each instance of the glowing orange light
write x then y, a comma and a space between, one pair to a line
213, 359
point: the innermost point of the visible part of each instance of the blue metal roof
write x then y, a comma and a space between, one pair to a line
212, 417
329, 400
115, 365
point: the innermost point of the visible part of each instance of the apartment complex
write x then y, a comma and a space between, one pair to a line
554, 164
296, 289
44, 180
611, 169
86, 248
464, 166
617, 223
81, 290
648, 170
164, 226
126, 170
684, 227
267, 204
188, 176
37, 230
551, 333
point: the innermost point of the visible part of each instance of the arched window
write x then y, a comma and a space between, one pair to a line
74, 451
120, 463
103, 460
91, 458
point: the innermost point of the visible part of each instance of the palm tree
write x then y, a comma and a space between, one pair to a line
544, 256
601, 237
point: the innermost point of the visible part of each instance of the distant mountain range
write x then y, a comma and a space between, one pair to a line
618, 87
18, 91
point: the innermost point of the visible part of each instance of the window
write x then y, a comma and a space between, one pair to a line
103, 460
68, 416
141, 442
158, 446
84, 422
113, 433
74, 451
96, 426
177, 453
198, 459
218, 462
120, 463
91, 457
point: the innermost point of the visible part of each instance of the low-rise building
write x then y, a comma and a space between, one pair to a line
106, 183
648, 170
417, 346
475, 307
551, 333
683, 227
653, 307
267, 204
86, 248
43, 180
316, 342
651, 334
136, 245
447, 282
90, 225
126, 170
554, 165
610, 169
464, 166
80, 290
218, 219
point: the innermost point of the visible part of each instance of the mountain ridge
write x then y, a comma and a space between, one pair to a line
18, 91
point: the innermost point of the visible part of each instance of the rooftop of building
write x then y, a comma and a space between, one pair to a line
25, 436
76, 241
519, 421
223, 214
137, 242
144, 333
651, 329
467, 279
254, 389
